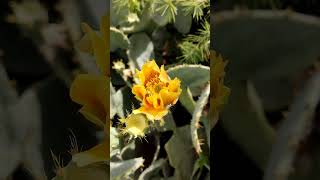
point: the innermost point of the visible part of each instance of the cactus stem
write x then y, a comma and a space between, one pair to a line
196, 118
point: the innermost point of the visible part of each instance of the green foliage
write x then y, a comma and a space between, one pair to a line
118, 40
194, 7
166, 9
114, 141
181, 153
195, 47
123, 169
141, 49
151, 14
183, 22
196, 115
131, 5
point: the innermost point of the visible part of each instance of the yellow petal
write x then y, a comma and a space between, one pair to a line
139, 91
174, 85
136, 124
151, 113
163, 75
91, 92
149, 70
99, 49
140, 76
150, 65
169, 98
99, 153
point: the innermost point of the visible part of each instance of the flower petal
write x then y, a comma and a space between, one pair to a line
99, 49
169, 98
139, 91
163, 75
139, 75
174, 85
136, 124
91, 92
157, 101
99, 153
150, 65
151, 113
149, 70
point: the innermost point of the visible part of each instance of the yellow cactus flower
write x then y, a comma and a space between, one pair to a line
92, 91
156, 91
136, 124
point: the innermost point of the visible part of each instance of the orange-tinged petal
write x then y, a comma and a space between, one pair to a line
174, 85
169, 98
151, 113
149, 101
139, 91
157, 101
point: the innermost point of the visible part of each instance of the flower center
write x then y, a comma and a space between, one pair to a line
154, 85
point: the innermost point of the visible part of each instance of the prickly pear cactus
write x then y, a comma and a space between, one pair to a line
160, 68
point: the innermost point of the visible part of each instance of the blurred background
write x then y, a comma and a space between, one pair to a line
38, 61
270, 127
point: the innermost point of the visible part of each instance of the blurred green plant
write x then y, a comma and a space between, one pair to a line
263, 78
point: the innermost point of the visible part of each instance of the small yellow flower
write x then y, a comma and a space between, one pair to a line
136, 124
156, 91
118, 65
